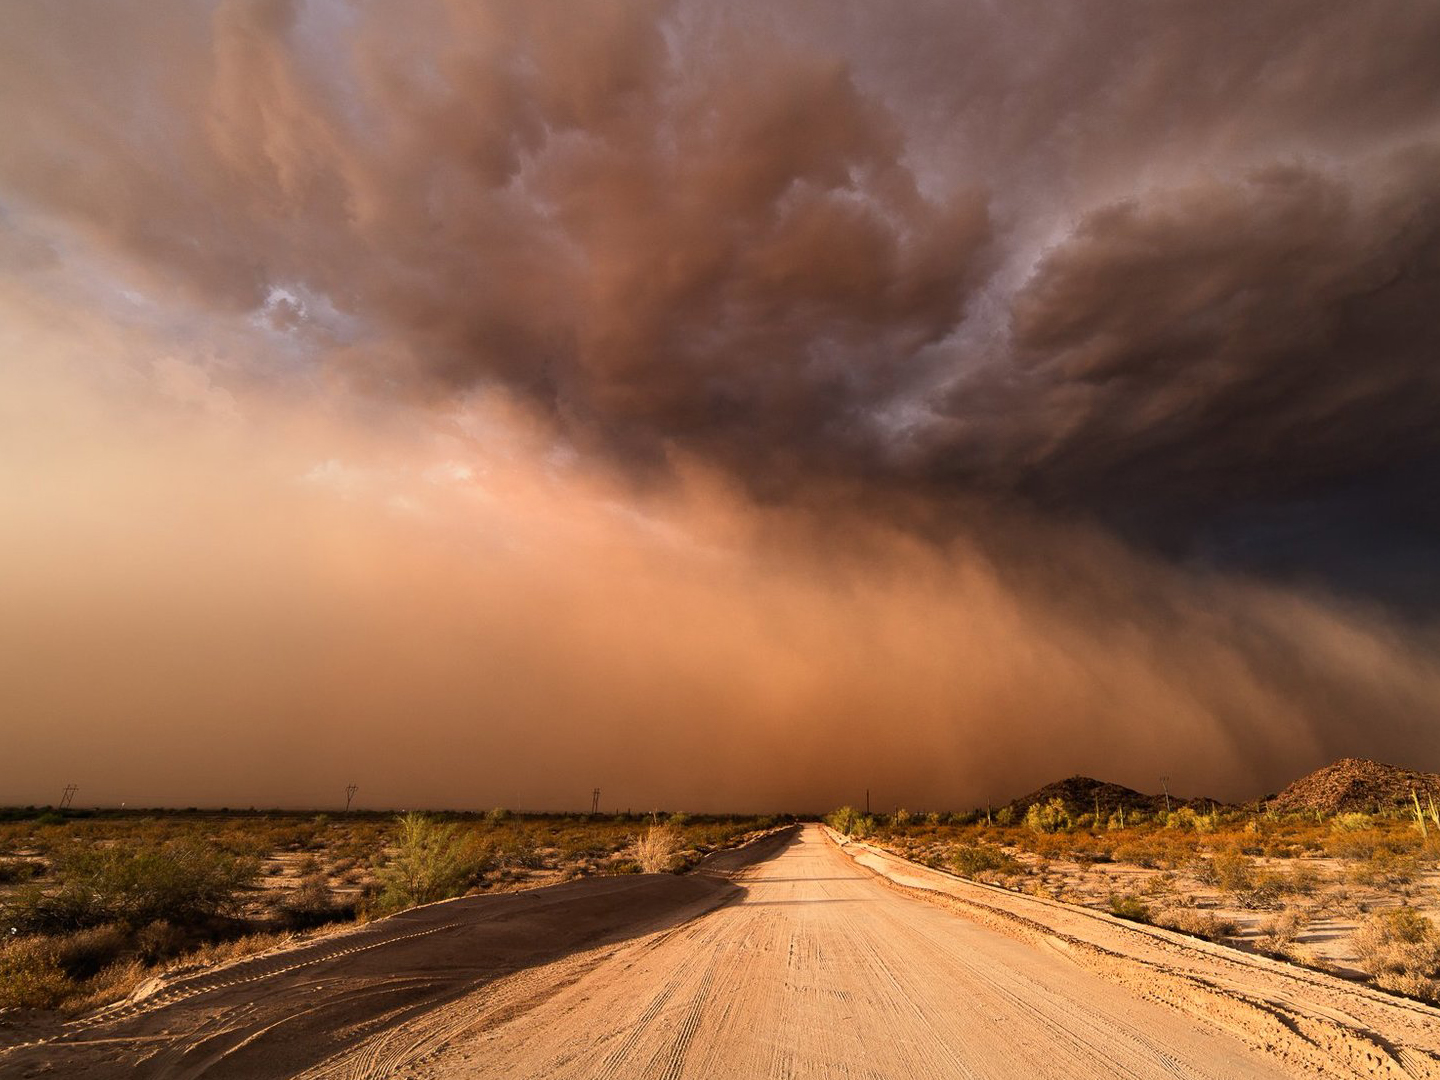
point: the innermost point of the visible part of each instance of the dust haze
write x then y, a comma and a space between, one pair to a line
729, 408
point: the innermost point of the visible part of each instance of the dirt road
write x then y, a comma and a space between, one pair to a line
790, 960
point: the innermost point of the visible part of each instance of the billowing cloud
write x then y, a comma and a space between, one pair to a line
1085, 256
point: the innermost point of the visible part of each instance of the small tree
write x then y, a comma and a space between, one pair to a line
431, 862
843, 820
1048, 817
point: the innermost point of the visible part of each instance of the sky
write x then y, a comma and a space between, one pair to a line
729, 406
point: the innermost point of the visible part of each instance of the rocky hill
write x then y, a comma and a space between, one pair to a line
1079, 793
1356, 784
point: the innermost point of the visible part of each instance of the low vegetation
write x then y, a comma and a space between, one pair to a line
94, 903
1400, 948
657, 849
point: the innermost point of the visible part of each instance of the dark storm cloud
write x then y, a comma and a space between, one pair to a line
1157, 262
1229, 341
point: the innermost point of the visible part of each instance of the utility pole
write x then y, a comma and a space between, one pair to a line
69, 796
595, 801
1165, 783
867, 800
350, 790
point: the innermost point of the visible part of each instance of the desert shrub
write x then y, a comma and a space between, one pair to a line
1159, 885
1278, 933
30, 975
1005, 816
1045, 845
1350, 822
1184, 818
1385, 867
1400, 948
312, 903
113, 983
498, 816
656, 848
975, 860
1130, 906
1301, 879
432, 861
1085, 850
1201, 924
1376, 842
517, 850
1280, 849
843, 820
1232, 872
1139, 852
181, 881
79, 969
17, 871
85, 953
1048, 817
159, 941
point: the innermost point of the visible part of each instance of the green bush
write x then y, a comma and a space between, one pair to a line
973, 860
432, 861
182, 881
1048, 817
1129, 906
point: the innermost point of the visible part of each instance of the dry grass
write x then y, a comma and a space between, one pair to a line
1278, 933
657, 847
72, 971
1201, 924
1400, 948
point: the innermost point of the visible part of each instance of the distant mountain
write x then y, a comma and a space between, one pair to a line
1357, 784
1079, 794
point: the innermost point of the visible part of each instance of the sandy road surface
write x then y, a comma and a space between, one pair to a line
800, 964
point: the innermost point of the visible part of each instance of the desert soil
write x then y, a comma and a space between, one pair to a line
794, 957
